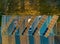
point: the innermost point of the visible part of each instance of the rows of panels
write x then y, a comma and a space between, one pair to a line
28, 25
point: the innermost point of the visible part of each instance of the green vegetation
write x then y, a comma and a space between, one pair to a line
48, 7
59, 19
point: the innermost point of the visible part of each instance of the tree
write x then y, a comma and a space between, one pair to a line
44, 7
16, 5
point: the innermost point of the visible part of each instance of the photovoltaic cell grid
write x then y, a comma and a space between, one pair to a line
31, 39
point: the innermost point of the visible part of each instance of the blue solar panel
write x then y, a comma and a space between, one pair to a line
44, 40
